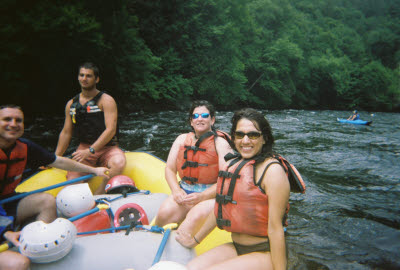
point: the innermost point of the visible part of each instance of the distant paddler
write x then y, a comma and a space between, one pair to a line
354, 116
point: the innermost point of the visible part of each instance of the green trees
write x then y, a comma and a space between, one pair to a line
161, 54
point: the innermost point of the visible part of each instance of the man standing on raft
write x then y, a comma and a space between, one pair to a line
91, 116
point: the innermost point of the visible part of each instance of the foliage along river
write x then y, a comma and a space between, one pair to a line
349, 217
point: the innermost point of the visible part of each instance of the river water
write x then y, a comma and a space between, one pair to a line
349, 217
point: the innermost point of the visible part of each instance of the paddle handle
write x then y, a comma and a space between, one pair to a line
91, 211
105, 230
6, 246
161, 247
22, 195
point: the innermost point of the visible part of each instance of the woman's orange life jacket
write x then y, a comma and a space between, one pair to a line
197, 162
12, 167
241, 206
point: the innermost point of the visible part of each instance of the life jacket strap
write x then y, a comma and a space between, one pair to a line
193, 164
224, 199
225, 174
11, 161
192, 180
196, 147
230, 156
228, 198
223, 222
192, 148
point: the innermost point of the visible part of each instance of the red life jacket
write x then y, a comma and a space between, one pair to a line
12, 167
241, 205
198, 162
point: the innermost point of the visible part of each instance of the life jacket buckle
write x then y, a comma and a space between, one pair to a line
192, 180
223, 222
191, 164
225, 174
224, 199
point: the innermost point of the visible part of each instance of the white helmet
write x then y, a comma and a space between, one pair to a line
168, 265
75, 199
43, 243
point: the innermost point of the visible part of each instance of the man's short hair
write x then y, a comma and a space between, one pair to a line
11, 106
90, 65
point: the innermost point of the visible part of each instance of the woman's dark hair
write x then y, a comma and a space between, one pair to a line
261, 123
199, 103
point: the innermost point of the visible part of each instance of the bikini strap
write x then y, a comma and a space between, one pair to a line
258, 183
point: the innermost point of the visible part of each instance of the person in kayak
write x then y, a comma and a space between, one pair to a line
251, 203
16, 155
354, 116
197, 156
91, 116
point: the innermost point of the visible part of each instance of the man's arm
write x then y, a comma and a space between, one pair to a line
13, 237
66, 133
71, 165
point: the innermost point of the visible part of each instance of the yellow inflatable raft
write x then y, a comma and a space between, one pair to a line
145, 169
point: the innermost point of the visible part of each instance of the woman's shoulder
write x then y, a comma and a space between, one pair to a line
270, 167
267, 161
181, 138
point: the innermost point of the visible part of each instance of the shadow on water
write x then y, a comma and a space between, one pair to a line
349, 217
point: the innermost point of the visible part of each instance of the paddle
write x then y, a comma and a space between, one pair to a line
22, 195
106, 230
164, 242
155, 229
91, 211
6, 246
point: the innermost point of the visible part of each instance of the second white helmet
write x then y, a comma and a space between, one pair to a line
75, 199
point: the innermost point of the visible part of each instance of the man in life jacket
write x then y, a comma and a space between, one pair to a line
197, 157
91, 117
17, 154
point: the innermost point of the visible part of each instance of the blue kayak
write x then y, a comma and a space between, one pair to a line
355, 122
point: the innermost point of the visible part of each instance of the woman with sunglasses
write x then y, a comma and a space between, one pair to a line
251, 203
197, 156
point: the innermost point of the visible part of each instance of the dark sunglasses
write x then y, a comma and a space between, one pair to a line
203, 115
253, 135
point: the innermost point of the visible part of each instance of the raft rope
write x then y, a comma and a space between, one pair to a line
155, 229
146, 192
164, 240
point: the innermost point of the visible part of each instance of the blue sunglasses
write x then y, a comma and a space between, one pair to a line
203, 115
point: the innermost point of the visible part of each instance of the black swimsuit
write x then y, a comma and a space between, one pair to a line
246, 249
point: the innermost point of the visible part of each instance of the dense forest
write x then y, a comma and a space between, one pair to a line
161, 54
